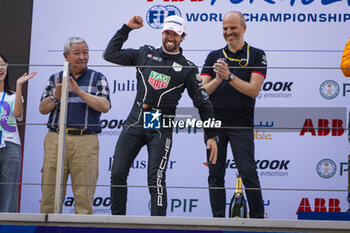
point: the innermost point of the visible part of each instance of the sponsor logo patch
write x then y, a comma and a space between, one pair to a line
158, 80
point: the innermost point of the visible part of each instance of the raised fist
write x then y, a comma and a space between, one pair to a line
135, 22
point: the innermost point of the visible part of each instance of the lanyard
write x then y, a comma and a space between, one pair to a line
2, 100
246, 60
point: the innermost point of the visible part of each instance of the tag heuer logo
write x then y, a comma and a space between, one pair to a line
158, 81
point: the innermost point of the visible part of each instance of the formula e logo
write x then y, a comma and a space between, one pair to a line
326, 168
329, 89
151, 120
156, 15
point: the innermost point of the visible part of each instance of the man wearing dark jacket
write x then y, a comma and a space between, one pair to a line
162, 75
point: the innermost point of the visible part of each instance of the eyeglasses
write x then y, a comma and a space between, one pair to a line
4, 65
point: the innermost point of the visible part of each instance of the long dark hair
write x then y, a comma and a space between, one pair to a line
6, 80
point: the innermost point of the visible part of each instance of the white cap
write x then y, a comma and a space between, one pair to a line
174, 23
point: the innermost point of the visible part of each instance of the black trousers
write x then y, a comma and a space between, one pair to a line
130, 142
242, 145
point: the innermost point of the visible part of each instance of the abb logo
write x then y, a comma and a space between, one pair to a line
323, 128
320, 205
177, 0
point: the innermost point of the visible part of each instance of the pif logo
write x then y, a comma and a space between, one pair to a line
156, 15
158, 80
329, 89
151, 120
183, 205
326, 168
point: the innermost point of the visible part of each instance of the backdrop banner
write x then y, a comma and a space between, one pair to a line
300, 133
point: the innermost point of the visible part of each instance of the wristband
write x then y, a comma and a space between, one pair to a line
53, 99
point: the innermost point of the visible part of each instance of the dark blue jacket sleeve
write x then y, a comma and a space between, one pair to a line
200, 100
114, 52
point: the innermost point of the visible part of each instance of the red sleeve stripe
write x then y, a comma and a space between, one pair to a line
264, 75
206, 74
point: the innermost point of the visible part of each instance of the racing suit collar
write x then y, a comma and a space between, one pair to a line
170, 56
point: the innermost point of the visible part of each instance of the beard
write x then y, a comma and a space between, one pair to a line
170, 48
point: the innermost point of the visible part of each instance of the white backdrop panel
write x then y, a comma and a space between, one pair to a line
285, 160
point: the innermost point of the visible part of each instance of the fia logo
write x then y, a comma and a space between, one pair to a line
156, 15
151, 120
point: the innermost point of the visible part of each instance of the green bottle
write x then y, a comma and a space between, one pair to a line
238, 205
